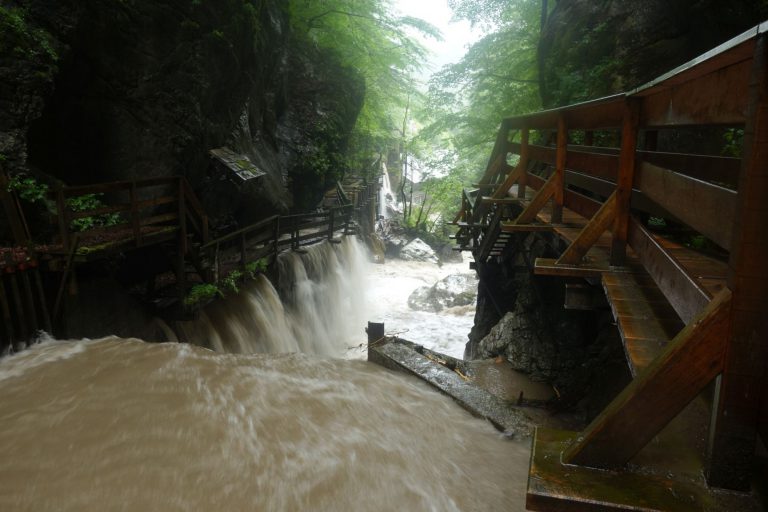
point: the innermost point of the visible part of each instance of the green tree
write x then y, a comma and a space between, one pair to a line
371, 37
497, 77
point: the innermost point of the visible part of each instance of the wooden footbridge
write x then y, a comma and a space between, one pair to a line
688, 318
157, 212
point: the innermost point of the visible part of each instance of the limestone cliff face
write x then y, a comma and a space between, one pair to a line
591, 49
140, 88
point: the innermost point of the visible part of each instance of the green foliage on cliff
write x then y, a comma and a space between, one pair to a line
368, 36
26, 43
23, 40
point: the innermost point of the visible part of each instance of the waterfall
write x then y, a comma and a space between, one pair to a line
386, 196
318, 307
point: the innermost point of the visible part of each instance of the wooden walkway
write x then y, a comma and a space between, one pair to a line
686, 318
156, 212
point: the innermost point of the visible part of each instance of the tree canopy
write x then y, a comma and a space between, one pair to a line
369, 36
497, 77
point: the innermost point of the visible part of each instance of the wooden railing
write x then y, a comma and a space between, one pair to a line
265, 238
135, 209
559, 169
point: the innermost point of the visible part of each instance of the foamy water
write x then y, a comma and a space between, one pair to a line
125, 425
392, 283
319, 307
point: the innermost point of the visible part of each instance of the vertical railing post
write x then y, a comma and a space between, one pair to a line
524, 152
216, 264
330, 223
740, 389
243, 251
12, 213
626, 177
5, 310
181, 256
135, 222
61, 207
29, 300
558, 197
277, 236
42, 299
25, 332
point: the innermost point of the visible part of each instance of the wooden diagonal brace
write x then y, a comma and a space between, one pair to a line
512, 178
590, 234
500, 191
537, 203
691, 360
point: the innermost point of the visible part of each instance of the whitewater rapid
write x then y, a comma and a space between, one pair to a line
392, 283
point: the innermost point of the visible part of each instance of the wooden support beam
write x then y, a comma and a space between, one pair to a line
134, 213
690, 362
510, 180
590, 234
29, 301
625, 179
539, 200
739, 393
523, 164
5, 310
12, 213
24, 327
63, 220
498, 155
558, 195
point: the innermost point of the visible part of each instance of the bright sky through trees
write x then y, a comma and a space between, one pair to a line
456, 35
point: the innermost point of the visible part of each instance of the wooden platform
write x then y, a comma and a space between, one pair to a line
556, 487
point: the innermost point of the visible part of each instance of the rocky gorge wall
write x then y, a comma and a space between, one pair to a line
521, 317
125, 89
590, 49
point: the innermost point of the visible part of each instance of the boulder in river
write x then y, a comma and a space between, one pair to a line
418, 250
451, 291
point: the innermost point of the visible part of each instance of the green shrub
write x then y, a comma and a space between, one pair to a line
230, 283
201, 293
28, 188
256, 267
86, 203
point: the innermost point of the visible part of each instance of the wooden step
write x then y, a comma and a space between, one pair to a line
511, 227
